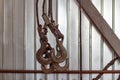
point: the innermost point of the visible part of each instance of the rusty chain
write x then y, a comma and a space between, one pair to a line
105, 68
46, 54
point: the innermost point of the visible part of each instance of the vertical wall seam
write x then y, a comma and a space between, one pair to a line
113, 27
25, 35
90, 49
24, 39
2, 37
79, 45
68, 30
101, 41
113, 15
35, 67
13, 53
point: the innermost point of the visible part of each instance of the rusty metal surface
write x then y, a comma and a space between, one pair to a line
46, 54
62, 72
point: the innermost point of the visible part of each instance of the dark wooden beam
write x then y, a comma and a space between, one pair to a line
101, 25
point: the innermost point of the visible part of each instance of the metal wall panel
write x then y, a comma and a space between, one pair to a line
85, 44
107, 53
8, 38
29, 37
96, 41
73, 38
1, 35
19, 38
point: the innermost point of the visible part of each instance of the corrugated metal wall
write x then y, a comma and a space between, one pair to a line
19, 39
96, 54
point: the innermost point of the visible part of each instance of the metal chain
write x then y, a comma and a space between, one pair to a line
50, 14
106, 67
46, 54
42, 53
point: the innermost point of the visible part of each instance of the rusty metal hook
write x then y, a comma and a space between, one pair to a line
60, 57
49, 67
53, 28
40, 54
45, 47
62, 68
61, 52
47, 70
46, 54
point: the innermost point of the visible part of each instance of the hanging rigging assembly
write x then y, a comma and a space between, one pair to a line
46, 54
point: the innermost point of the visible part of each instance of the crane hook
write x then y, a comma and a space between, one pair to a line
62, 68
44, 49
61, 52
